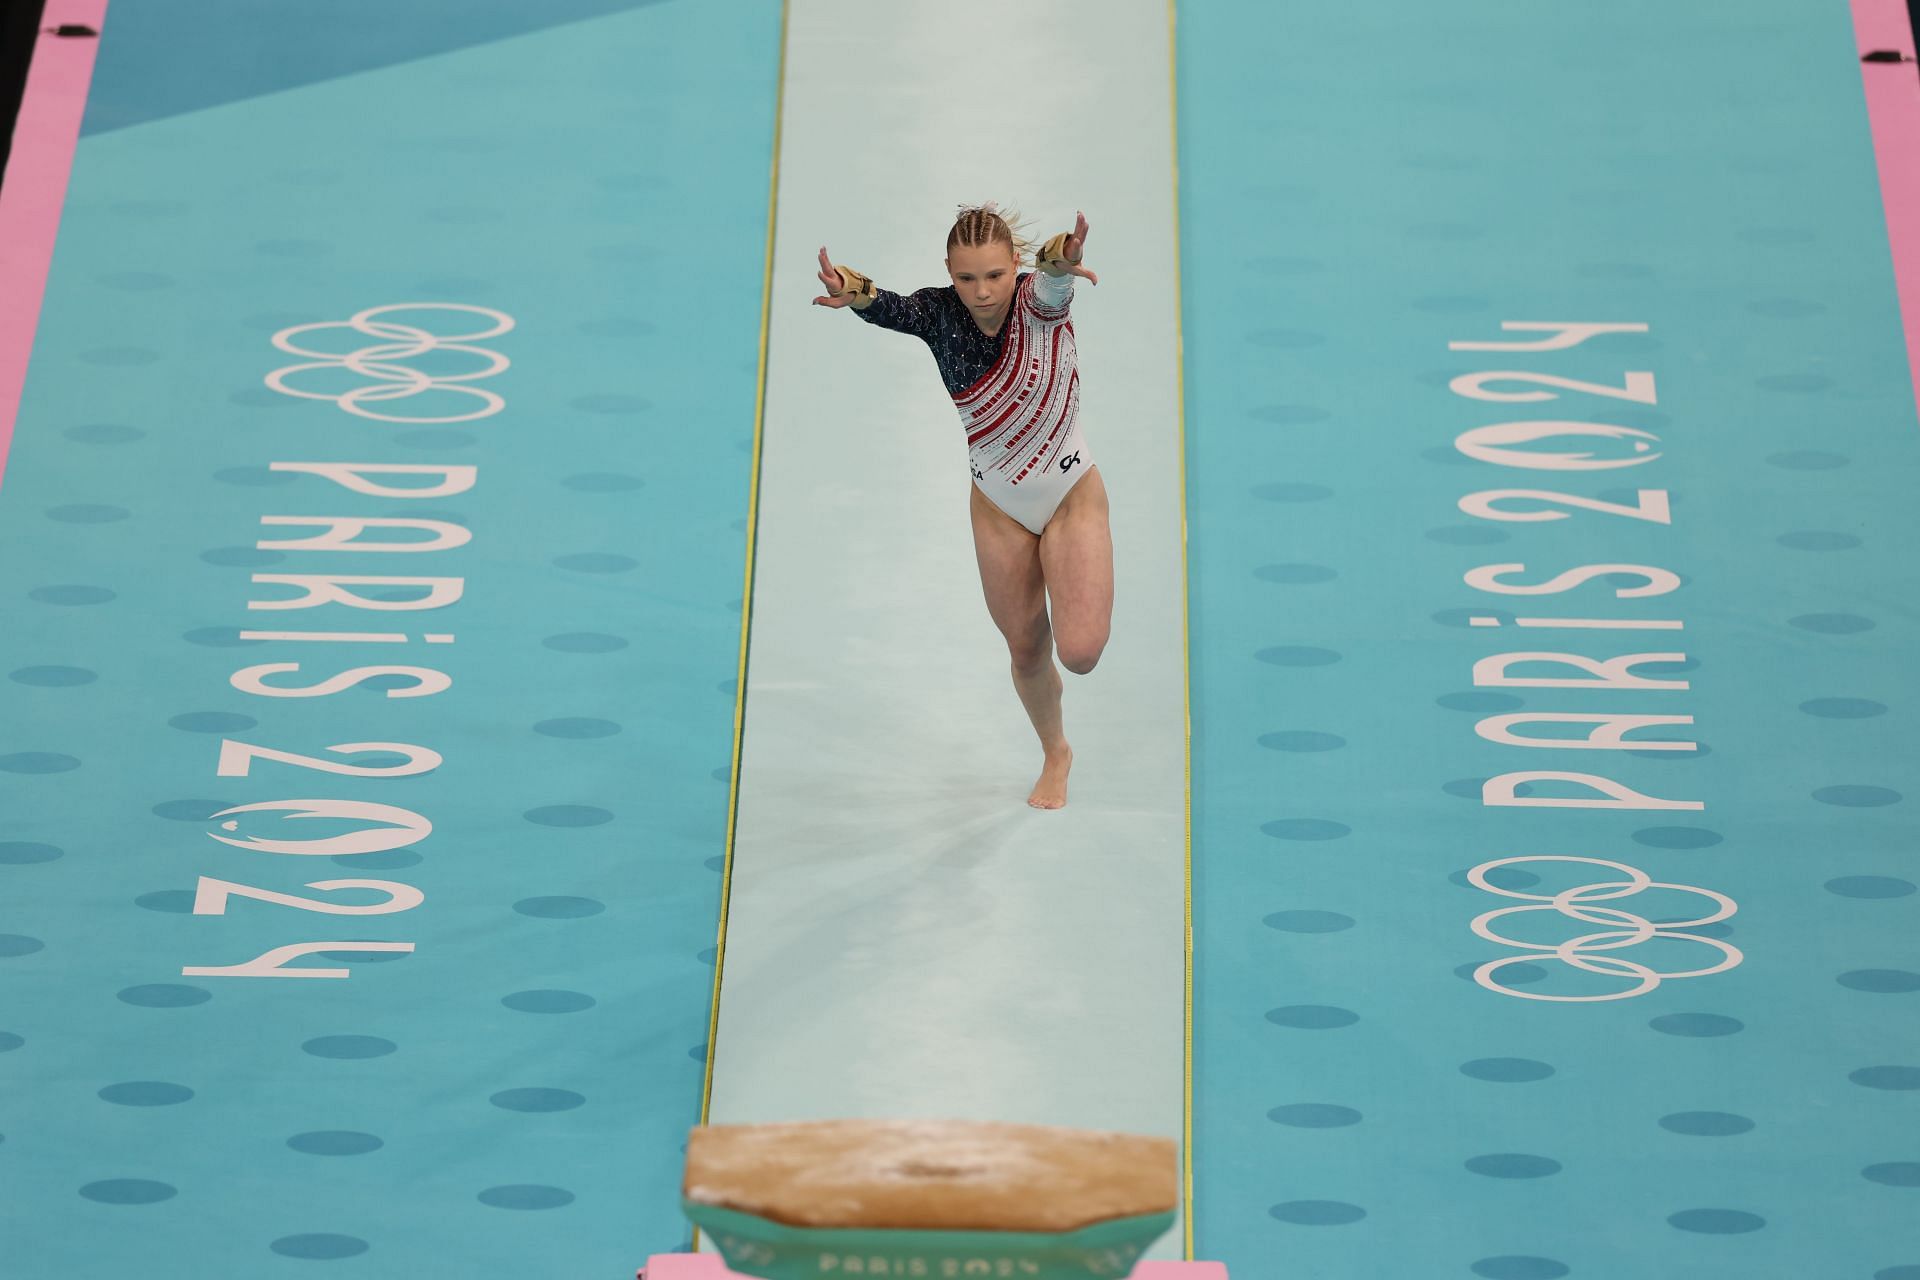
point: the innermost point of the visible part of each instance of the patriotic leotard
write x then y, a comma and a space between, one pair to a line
1018, 391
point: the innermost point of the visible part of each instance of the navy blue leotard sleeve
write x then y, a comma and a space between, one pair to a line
916, 313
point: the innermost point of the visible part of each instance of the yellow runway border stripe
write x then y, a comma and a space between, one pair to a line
746, 599
1186, 658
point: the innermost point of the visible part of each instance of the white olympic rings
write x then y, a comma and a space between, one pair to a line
1575, 903
389, 380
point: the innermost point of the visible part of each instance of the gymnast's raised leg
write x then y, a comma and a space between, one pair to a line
1071, 562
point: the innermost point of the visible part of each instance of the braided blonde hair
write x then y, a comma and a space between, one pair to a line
984, 224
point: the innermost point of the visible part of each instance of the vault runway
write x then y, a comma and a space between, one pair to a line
443, 555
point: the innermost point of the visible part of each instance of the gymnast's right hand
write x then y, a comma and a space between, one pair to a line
845, 287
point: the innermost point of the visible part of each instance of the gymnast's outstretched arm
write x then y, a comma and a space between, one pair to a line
846, 287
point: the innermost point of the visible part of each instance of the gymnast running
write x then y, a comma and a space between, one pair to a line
1003, 342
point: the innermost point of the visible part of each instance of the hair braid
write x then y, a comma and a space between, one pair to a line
983, 224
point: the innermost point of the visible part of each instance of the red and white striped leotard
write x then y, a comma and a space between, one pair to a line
1022, 416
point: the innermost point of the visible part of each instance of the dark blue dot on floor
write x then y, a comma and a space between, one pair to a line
1843, 708
193, 810
1305, 829
1677, 837
526, 1196
1896, 1173
146, 1093
1308, 921
1506, 1070
1696, 1025
1507, 877
87, 513
1312, 1017
1295, 574
242, 557
171, 901
1818, 540
320, 1246
1512, 974
603, 482
1302, 740
707, 955
723, 774
1480, 701
53, 677
559, 907
1706, 1124
1314, 1115
37, 762
1297, 655
1317, 1213
576, 727
596, 562
698, 1052
9, 1041
128, 1191
1719, 1222
1510, 1164
349, 1047
72, 593
26, 853
537, 1100
1880, 981
1844, 886
1515, 1266
548, 1000
165, 995
1856, 796
1888, 1077
1911, 1272
1447, 456
1832, 624
334, 1142
568, 815
212, 722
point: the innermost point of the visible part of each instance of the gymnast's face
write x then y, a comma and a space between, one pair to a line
983, 276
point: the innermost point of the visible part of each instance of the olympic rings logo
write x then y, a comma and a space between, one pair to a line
380, 363
1580, 953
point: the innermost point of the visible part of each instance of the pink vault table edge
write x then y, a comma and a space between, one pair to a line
708, 1266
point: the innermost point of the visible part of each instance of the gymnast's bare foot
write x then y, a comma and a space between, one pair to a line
1051, 791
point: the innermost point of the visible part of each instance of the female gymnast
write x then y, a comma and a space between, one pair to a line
1003, 342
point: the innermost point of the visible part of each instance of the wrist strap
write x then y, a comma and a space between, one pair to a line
855, 283
1052, 256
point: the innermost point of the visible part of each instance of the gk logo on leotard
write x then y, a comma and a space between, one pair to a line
1066, 463
978, 474
1627, 930
380, 362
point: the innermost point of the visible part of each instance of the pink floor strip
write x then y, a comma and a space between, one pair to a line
1893, 107
35, 189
